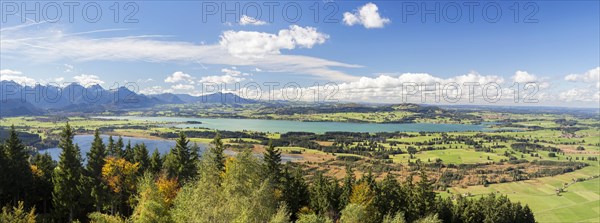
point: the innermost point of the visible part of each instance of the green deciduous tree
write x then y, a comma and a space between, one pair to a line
151, 205
354, 213
241, 195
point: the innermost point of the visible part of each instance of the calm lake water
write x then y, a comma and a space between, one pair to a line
283, 126
163, 146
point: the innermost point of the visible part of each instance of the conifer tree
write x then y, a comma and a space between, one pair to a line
111, 148
95, 161
119, 147
140, 155
156, 162
272, 160
3, 174
128, 152
215, 153
348, 181
17, 167
43, 181
179, 162
295, 191
67, 177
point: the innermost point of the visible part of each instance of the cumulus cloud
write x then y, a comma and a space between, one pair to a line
186, 87
10, 72
247, 20
580, 94
234, 72
179, 76
17, 77
591, 76
390, 88
88, 80
523, 77
226, 79
251, 44
367, 15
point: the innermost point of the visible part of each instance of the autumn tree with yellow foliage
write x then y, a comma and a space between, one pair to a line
120, 176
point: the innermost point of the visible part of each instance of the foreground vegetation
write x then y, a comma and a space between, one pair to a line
547, 161
127, 184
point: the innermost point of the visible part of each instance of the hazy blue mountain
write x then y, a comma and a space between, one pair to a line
222, 98
16, 99
169, 98
15, 107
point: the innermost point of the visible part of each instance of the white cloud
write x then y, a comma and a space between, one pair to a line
185, 87
591, 76
59, 79
88, 80
17, 77
247, 20
179, 77
523, 77
252, 45
234, 72
389, 88
54, 44
226, 79
580, 94
10, 72
367, 15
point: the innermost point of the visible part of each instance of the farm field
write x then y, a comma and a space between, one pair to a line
527, 164
579, 203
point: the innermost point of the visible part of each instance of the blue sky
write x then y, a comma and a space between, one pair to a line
369, 49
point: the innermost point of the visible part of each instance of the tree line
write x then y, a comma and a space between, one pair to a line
124, 183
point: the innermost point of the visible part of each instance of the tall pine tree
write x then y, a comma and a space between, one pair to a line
349, 181
67, 178
43, 182
272, 158
17, 168
140, 155
95, 162
179, 162
156, 162
215, 153
128, 152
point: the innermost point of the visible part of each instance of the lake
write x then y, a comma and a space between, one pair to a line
163, 146
283, 126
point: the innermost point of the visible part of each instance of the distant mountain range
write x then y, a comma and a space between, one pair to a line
16, 99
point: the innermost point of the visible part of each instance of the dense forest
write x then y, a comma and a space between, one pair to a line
120, 182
